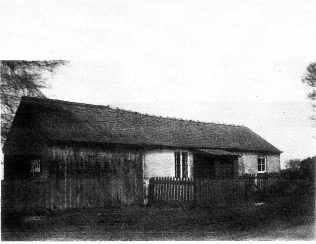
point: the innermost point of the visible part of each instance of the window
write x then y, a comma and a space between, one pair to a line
184, 165
181, 159
35, 166
261, 164
177, 164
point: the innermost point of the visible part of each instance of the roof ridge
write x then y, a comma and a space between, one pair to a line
125, 110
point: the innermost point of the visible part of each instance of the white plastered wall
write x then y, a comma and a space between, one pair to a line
248, 163
161, 163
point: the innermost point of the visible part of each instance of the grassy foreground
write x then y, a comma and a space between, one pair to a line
282, 220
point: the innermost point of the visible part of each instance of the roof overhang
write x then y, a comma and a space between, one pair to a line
217, 152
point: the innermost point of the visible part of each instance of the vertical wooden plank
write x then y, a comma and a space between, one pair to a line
154, 191
190, 192
50, 194
167, 190
83, 193
160, 190
171, 190
175, 190
76, 193
164, 190
185, 191
178, 191
181, 190
150, 192
195, 193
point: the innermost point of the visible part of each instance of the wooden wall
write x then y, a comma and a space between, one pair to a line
77, 177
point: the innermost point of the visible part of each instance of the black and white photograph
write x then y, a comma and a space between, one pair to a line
143, 120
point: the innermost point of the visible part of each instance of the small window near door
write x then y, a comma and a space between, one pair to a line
262, 164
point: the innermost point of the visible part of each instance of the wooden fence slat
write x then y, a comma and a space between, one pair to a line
210, 191
79, 193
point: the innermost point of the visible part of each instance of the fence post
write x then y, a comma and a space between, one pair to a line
150, 191
196, 192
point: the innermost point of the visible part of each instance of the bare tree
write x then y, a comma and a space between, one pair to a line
310, 79
21, 78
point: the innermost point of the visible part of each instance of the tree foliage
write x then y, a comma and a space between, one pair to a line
293, 164
308, 166
301, 169
21, 78
310, 79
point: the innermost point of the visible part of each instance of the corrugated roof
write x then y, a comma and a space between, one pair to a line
68, 121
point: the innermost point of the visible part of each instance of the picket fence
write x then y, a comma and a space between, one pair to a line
96, 193
206, 192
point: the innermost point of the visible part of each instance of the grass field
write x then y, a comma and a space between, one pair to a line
273, 221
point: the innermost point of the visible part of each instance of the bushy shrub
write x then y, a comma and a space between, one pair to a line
290, 188
308, 168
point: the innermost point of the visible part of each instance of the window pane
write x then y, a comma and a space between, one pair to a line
261, 164
185, 165
177, 164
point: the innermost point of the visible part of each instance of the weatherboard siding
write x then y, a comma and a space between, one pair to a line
248, 163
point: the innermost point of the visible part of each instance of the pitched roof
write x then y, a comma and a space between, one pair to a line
77, 122
217, 152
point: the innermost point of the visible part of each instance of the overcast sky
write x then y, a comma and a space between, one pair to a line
238, 62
